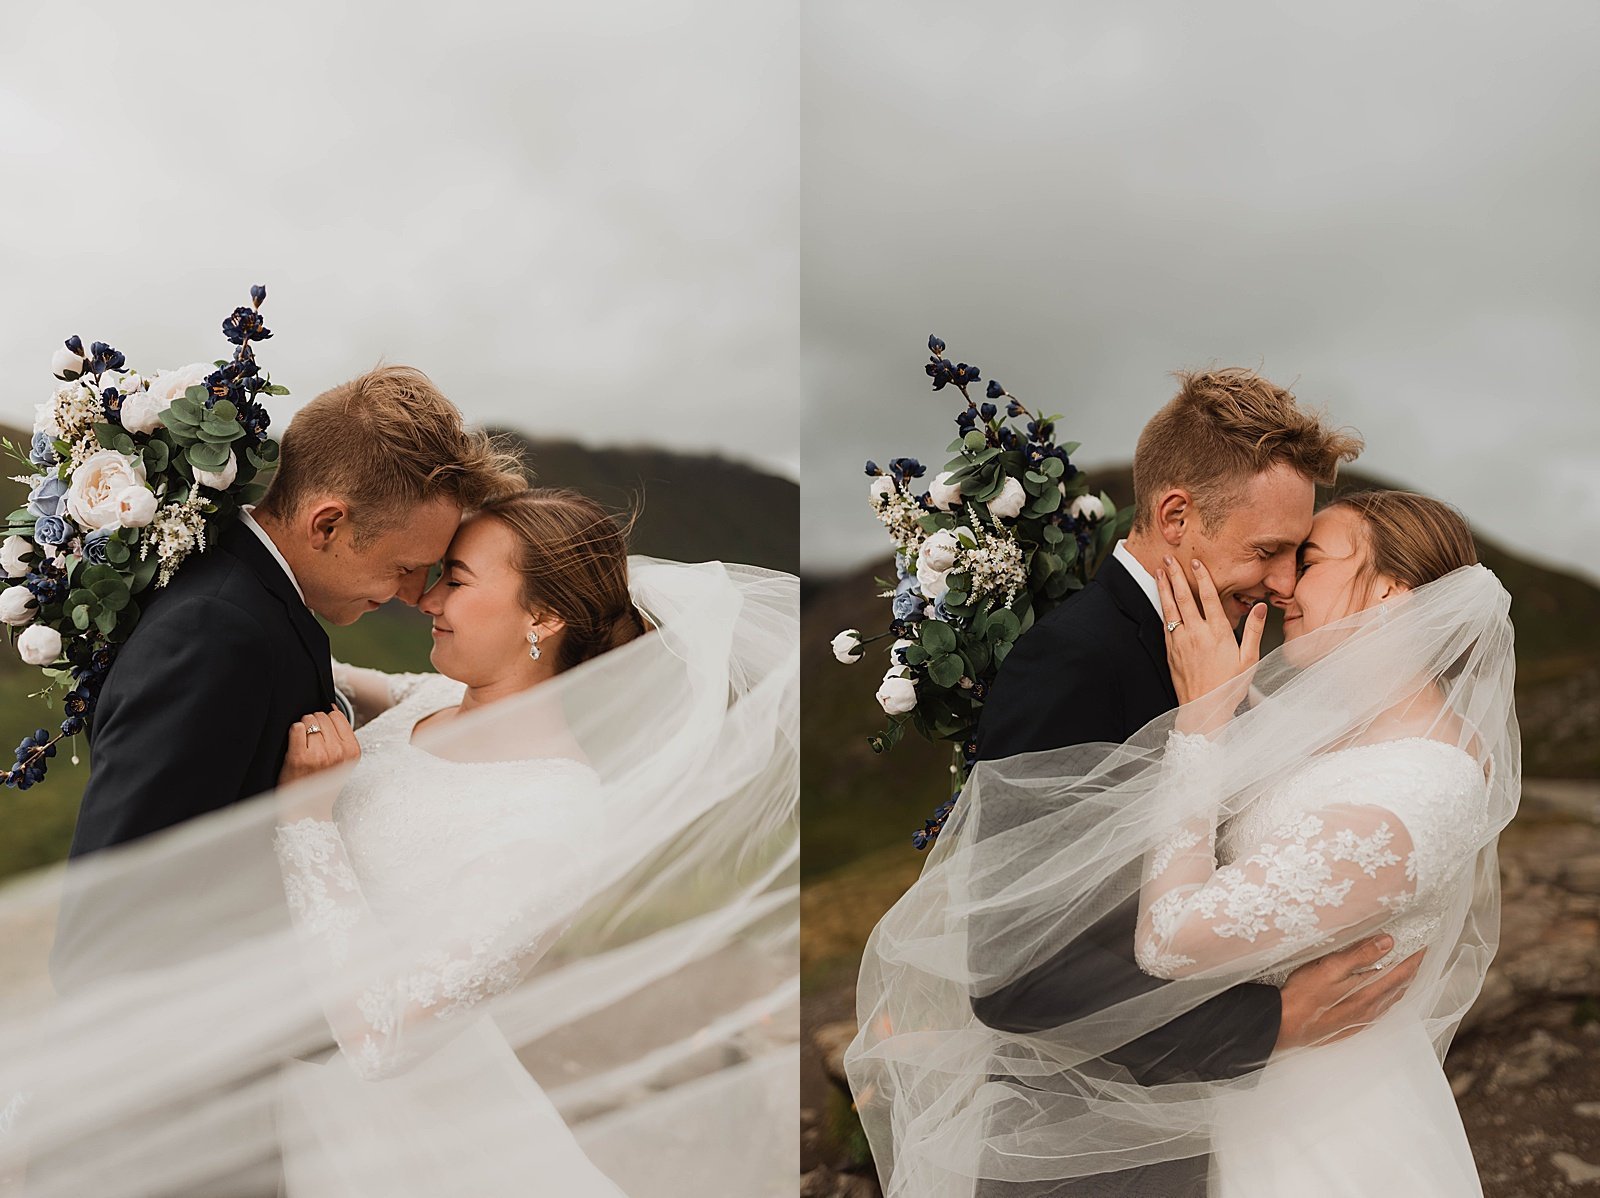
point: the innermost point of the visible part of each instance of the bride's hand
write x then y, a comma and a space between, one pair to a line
1201, 648
321, 741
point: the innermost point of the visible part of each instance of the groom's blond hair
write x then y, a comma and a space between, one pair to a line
1223, 428
384, 443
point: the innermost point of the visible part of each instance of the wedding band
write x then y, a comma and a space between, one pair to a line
1173, 625
312, 728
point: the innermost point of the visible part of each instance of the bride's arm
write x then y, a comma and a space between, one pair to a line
372, 692
383, 995
1342, 870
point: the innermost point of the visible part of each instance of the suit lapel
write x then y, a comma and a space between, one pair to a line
243, 544
1131, 600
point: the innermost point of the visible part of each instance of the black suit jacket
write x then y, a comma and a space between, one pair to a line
1095, 670
193, 716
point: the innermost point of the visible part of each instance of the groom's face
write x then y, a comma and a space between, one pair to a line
1251, 554
350, 581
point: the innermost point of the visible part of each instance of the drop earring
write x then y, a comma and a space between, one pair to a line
533, 640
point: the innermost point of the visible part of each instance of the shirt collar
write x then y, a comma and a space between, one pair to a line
1140, 575
249, 521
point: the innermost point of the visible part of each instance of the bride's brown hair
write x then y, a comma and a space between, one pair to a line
574, 562
1411, 538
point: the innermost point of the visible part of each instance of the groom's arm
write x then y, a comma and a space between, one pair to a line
1067, 690
177, 723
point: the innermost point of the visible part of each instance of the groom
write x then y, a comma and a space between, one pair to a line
194, 715
1226, 472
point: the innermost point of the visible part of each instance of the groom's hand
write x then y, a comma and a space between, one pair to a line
1340, 994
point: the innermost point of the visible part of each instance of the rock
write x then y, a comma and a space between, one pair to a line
1531, 1061
1581, 874
1577, 1169
1592, 1109
1461, 1084
831, 1039
823, 1182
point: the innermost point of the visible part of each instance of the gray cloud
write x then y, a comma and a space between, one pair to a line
1389, 207
579, 219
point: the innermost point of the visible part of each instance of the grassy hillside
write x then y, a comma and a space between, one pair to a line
856, 805
691, 509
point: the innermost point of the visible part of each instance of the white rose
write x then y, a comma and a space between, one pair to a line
939, 551
932, 583
136, 507
1010, 500
39, 645
898, 694
219, 480
847, 646
894, 650
882, 486
66, 362
141, 413
16, 605
168, 385
944, 495
1087, 507
11, 556
97, 486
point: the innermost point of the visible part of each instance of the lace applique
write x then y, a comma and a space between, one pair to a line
319, 884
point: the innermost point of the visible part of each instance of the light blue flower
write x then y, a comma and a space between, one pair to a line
49, 497
43, 452
94, 546
52, 530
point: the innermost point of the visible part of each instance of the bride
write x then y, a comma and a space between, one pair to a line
543, 900
1351, 783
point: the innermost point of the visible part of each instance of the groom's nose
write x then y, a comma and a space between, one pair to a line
1280, 578
412, 584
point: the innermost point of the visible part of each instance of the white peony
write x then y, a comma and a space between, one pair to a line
894, 650
932, 583
1009, 502
898, 694
66, 362
219, 480
882, 486
141, 413
847, 646
39, 645
939, 550
1087, 507
94, 498
136, 507
944, 495
16, 605
11, 556
168, 385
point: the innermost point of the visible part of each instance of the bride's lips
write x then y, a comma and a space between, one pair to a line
437, 631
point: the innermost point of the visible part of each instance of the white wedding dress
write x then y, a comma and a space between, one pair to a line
1381, 834
412, 834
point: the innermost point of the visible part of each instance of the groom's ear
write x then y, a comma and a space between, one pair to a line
327, 519
1174, 511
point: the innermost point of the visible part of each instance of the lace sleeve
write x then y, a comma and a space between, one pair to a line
1341, 870
372, 692
490, 941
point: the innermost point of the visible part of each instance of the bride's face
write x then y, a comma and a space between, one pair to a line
480, 628
1335, 578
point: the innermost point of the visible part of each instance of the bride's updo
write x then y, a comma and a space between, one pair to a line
574, 562
1410, 538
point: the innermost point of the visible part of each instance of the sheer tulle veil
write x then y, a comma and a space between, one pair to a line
662, 1025
1043, 847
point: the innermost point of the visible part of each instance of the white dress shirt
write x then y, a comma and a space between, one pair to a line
1147, 584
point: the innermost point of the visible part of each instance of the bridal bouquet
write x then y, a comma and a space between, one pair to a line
127, 476
1008, 530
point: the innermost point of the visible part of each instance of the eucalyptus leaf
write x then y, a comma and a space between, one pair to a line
945, 670
937, 637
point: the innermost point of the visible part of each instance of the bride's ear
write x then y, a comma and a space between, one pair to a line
1385, 588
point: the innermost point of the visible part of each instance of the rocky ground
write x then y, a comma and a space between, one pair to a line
1525, 1067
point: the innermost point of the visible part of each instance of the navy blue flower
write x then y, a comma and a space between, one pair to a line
47, 587
872, 469
940, 372
111, 405
245, 324
1013, 408
94, 546
965, 419
935, 344
43, 452
52, 530
49, 496
253, 417
906, 468
102, 358
987, 410
77, 702
995, 390
258, 295
72, 725
75, 344
964, 375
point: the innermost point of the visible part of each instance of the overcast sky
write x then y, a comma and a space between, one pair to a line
1390, 207
579, 219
